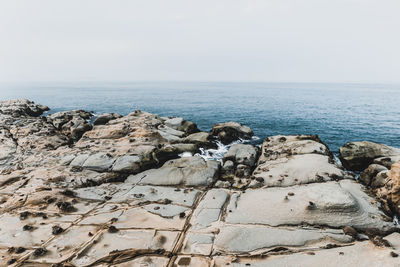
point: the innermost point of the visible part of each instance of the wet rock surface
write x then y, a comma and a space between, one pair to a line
118, 193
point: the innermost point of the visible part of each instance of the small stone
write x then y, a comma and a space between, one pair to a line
68, 193
39, 252
90, 234
182, 215
11, 261
112, 229
56, 230
27, 227
65, 206
348, 230
290, 194
394, 254
24, 215
20, 250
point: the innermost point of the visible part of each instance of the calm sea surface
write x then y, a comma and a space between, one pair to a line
338, 113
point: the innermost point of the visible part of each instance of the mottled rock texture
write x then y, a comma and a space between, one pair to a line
120, 193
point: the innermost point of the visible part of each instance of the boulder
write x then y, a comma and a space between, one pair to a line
128, 164
201, 138
105, 118
356, 156
368, 175
387, 161
228, 132
22, 107
242, 154
181, 125
390, 193
98, 162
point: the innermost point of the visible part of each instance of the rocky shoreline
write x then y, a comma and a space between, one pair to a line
115, 190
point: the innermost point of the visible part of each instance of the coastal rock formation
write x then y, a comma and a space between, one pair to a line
357, 156
389, 193
129, 191
228, 132
285, 161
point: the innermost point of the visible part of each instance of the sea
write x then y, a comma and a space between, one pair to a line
337, 112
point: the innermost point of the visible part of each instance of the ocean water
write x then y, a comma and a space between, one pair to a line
338, 113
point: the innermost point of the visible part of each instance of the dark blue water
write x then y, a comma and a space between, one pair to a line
338, 113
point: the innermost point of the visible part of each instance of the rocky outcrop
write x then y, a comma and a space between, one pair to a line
356, 156
238, 164
104, 118
228, 132
127, 193
389, 193
293, 160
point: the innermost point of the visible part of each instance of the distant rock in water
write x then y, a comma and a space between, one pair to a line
137, 190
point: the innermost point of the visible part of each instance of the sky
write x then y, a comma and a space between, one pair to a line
185, 40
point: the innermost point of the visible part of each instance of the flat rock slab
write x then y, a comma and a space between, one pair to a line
240, 239
295, 159
359, 254
334, 204
190, 171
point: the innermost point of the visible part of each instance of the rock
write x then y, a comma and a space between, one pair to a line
128, 164
200, 138
105, 118
182, 125
189, 171
291, 160
242, 154
77, 206
98, 162
22, 107
231, 131
229, 166
71, 123
334, 204
380, 179
369, 174
390, 193
387, 161
356, 156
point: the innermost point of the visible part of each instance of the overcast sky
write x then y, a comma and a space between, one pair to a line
266, 40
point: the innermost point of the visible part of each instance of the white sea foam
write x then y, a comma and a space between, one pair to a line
219, 152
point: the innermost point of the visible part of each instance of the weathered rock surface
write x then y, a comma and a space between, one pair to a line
390, 192
228, 132
104, 118
119, 194
293, 160
357, 156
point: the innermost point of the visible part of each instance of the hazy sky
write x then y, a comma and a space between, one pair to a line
266, 40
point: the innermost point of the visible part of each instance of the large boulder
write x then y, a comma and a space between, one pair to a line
242, 154
390, 193
356, 156
181, 125
228, 132
367, 177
